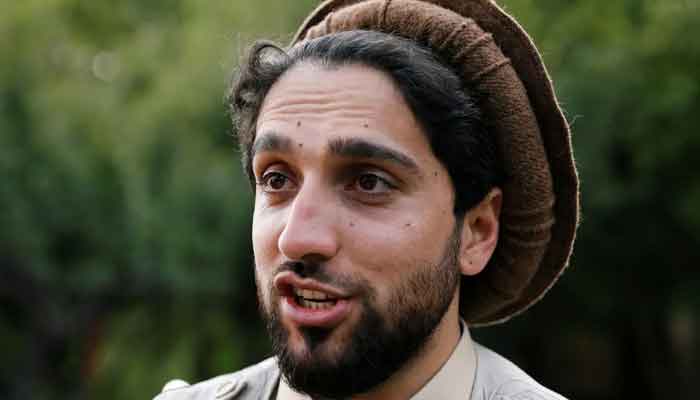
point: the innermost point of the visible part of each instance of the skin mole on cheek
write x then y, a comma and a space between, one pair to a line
298, 124
301, 145
366, 125
352, 224
407, 225
436, 173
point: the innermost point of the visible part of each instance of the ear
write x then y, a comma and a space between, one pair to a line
480, 233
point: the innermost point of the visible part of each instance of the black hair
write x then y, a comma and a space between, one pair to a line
445, 108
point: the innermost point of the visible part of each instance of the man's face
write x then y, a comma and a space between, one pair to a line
353, 232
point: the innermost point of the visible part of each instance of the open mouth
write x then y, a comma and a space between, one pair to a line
306, 302
313, 299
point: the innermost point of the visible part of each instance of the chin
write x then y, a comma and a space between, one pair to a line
319, 345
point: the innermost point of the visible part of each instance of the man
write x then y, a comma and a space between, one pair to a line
413, 177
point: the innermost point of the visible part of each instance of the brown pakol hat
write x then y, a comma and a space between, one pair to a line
495, 57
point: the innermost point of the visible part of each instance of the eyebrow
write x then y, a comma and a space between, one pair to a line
341, 147
360, 148
271, 141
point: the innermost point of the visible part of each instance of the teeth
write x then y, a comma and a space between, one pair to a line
315, 305
311, 294
313, 299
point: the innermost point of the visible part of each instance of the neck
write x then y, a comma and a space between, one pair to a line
416, 373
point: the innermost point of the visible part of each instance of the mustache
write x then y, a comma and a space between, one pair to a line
320, 272
303, 268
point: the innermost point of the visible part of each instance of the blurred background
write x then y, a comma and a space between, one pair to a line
125, 257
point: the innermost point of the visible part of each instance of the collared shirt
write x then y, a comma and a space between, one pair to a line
453, 381
472, 371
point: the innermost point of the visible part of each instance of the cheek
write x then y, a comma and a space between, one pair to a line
264, 250
386, 252
262, 282
387, 242
264, 235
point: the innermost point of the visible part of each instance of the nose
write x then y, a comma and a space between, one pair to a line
310, 229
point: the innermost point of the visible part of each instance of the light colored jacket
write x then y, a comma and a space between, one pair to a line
496, 379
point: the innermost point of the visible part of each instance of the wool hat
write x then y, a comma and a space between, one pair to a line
496, 58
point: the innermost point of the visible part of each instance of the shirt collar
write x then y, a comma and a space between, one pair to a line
453, 381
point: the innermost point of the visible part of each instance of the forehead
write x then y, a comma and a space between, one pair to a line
316, 104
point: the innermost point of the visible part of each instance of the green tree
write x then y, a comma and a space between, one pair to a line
124, 220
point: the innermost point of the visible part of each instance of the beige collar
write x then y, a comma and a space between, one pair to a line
453, 381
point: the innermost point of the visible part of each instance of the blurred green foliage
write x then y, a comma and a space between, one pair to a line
124, 219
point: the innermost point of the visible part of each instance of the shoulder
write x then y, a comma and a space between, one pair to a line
499, 379
255, 382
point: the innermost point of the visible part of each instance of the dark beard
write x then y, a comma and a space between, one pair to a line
380, 344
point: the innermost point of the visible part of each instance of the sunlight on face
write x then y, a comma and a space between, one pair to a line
348, 185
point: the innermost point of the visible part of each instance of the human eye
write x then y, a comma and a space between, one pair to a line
275, 181
371, 184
